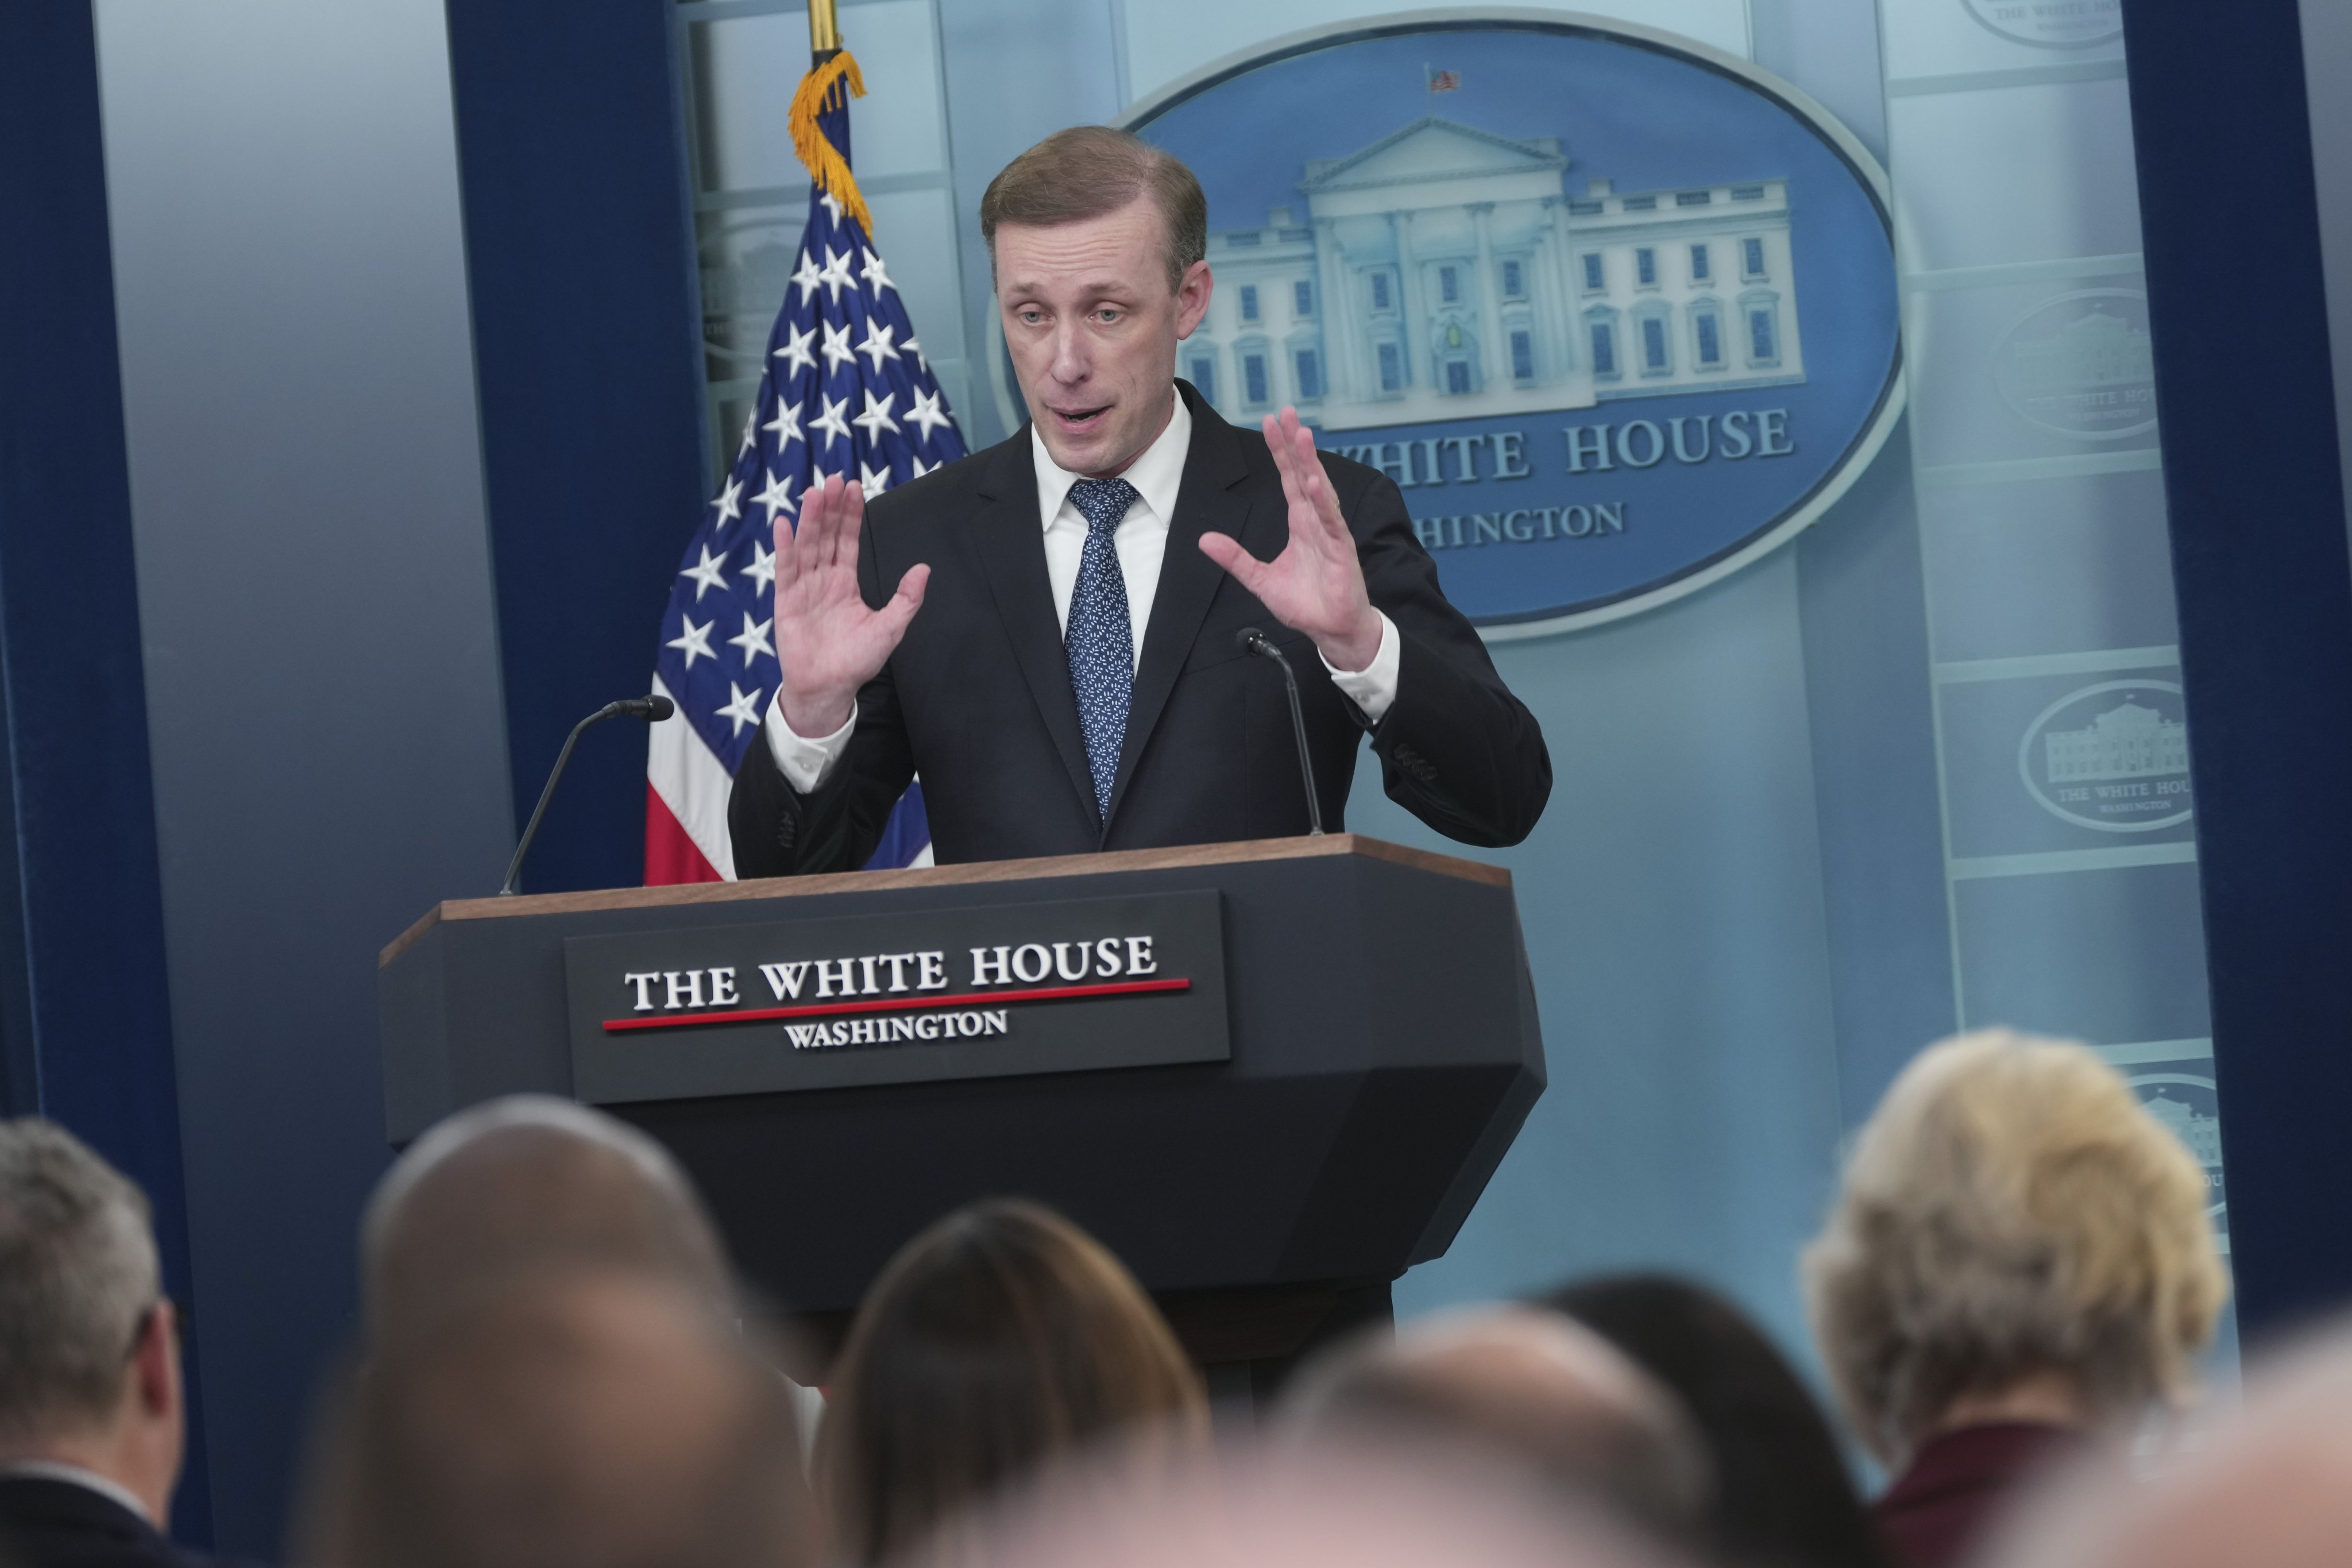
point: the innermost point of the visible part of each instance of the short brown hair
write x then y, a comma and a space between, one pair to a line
998, 1340
1089, 171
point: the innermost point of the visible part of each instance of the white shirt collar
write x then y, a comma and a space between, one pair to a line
73, 1475
1156, 474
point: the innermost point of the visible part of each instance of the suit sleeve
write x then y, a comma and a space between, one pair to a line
777, 831
1456, 748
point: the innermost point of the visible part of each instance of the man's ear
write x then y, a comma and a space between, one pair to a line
1192, 299
155, 1362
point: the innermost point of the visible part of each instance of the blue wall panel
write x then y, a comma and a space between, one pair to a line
580, 256
2251, 476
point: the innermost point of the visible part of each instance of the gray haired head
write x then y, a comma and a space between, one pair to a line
77, 1277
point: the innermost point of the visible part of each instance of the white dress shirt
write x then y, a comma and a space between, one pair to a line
1142, 540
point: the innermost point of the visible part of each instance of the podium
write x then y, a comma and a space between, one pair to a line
1269, 1076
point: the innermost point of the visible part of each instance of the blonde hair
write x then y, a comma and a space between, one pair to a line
2009, 1209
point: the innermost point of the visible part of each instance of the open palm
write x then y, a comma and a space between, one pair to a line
829, 641
1317, 584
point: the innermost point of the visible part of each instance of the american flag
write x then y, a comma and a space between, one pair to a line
846, 391
1443, 81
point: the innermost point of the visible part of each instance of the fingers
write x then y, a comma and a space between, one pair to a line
1227, 551
849, 519
900, 610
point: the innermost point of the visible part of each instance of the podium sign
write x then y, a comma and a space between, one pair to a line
916, 996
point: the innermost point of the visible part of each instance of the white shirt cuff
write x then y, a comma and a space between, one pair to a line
808, 763
1373, 687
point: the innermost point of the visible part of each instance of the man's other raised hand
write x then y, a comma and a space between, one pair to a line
1317, 584
827, 640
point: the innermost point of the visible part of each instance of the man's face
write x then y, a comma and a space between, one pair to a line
1093, 327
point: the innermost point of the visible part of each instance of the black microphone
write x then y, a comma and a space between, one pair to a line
1249, 640
653, 710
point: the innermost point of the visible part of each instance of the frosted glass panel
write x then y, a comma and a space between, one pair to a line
2015, 174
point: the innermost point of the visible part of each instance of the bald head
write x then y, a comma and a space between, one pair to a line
566, 1419
528, 1182
1526, 1387
2271, 1488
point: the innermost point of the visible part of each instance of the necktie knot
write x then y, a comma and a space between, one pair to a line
1102, 502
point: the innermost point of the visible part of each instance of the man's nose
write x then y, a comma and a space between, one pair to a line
1070, 363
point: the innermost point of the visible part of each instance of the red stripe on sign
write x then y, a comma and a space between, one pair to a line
897, 1005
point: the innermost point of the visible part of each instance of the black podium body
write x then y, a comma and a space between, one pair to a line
1384, 1051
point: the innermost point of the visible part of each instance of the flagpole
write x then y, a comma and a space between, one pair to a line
825, 32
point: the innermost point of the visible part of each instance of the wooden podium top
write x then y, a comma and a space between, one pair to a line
1298, 848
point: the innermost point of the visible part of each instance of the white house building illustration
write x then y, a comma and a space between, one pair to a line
1446, 273
2125, 741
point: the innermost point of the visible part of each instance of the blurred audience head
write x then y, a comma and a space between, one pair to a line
2269, 1487
1517, 1390
566, 1417
527, 1182
1782, 1496
999, 1339
89, 1355
2016, 1238
1299, 1504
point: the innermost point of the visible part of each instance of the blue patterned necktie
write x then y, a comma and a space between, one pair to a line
1101, 638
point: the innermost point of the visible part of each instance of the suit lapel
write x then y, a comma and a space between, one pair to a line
1209, 500
1011, 539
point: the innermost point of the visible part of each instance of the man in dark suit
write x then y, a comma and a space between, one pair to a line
1073, 681
91, 1423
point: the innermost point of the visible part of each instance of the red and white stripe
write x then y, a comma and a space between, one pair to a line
686, 806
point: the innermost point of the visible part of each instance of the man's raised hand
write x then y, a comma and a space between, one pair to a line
1317, 584
827, 640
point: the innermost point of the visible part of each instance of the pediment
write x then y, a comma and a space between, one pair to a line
1432, 149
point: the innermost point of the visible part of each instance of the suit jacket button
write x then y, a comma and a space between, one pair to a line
786, 831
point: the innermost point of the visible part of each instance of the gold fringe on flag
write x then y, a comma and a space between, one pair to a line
825, 164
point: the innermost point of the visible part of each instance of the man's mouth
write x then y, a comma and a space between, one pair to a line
1081, 418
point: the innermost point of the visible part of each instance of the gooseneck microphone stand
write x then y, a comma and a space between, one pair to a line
1249, 640
653, 710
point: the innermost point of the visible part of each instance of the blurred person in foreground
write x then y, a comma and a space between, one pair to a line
523, 1183
1002, 1339
1291, 1504
1783, 1497
564, 1417
91, 1420
2269, 1487
1519, 1391
2020, 1264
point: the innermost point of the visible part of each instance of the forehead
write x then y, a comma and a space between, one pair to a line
1123, 249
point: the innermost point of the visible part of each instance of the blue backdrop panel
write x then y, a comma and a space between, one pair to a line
2248, 408
83, 1006
579, 252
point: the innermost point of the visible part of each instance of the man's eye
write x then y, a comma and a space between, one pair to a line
1107, 314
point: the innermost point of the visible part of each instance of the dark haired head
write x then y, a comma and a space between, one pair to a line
1001, 1338
1782, 1496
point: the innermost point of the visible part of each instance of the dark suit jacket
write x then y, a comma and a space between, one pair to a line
56, 1524
977, 696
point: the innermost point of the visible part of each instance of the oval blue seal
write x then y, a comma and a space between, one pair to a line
1618, 311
